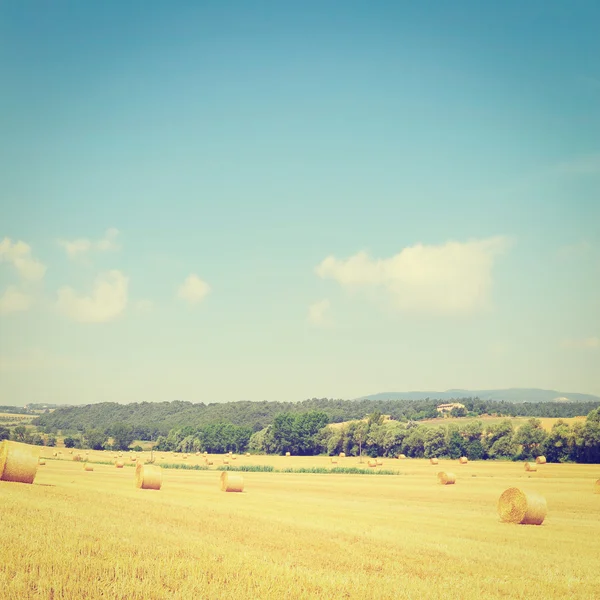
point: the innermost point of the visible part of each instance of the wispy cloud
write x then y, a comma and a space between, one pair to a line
106, 302
20, 256
82, 246
589, 343
14, 300
193, 290
318, 313
451, 278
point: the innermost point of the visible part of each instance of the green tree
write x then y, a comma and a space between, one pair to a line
122, 435
434, 442
530, 437
557, 446
95, 439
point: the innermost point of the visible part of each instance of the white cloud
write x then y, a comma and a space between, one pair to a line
14, 300
585, 343
81, 246
106, 302
318, 312
455, 277
19, 255
193, 289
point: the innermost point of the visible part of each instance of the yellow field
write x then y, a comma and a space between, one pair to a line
75, 534
547, 422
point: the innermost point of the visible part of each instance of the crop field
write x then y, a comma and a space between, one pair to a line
74, 534
547, 422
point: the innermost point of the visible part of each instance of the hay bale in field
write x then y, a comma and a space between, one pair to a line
208, 462
342, 455
433, 461
148, 477
225, 461
463, 460
402, 456
524, 508
379, 462
446, 478
70, 451
530, 467
41, 461
234, 457
133, 459
77, 457
597, 487
184, 457
119, 464
247, 453
55, 454
18, 462
287, 454
372, 462
197, 453
540, 460
88, 467
231, 482
334, 460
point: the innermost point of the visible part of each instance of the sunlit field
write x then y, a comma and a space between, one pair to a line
75, 534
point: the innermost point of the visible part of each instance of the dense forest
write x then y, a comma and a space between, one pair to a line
150, 420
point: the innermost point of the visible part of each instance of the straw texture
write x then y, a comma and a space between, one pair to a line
148, 477
18, 462
402, 456
372, 462
231, 482
334, 460
446, 478
597, 487
463, 460
524, 508
530, 467
342, 455
41, 462
540, 460
287, 454
88, 467
433, 461
119, 464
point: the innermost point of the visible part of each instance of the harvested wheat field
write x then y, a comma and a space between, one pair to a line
297, 535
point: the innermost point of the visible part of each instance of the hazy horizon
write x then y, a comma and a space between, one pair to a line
278, 202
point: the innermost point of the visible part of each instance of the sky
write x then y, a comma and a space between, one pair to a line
220, 201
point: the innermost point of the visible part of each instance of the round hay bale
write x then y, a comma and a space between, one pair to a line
55, 454
597, 487
247, 453
208, 462
402, 456
18, 462
234, 458
379, 462
287, 454
463, 460
197, 453
70, 451
342, 455
133, 459
524, 508
530, 467
540, 460
446, 478
433, 461
372, 462
41, 462
334, 460
231, 482
88, 467
119, 464
148, 477
77, 457
225, 461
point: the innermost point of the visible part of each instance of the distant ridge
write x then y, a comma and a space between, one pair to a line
508, 395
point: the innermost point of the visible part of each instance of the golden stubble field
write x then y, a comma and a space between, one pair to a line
76, 534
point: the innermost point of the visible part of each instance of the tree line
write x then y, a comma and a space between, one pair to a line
151, 420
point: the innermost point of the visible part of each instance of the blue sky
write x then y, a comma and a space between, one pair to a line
225, 201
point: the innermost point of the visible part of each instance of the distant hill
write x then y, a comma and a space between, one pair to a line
516, 395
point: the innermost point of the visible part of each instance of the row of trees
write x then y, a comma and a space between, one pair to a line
376, 437
151, 420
